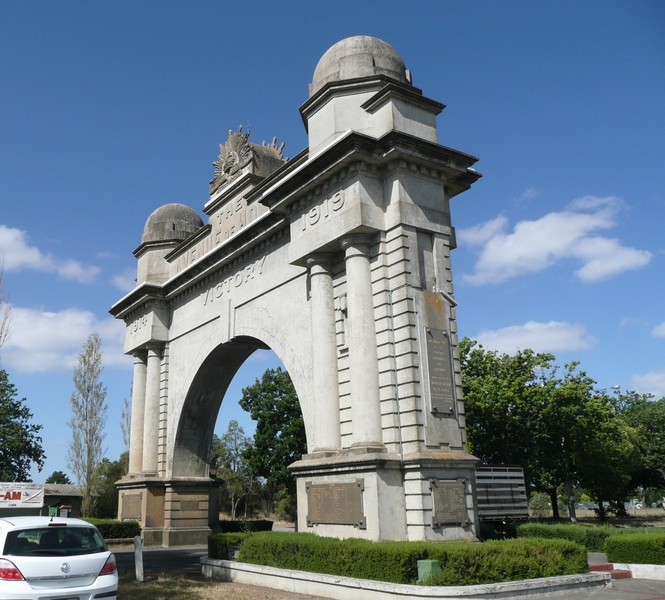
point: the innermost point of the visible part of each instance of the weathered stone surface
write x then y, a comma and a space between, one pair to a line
339, 261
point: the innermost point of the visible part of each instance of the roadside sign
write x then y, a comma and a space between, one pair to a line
21, 495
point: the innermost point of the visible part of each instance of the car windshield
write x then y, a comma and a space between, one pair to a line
54, 541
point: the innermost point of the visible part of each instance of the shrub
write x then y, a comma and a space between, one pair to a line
245, 526
592, 538
644, 547
508, 560
397, 562
218, 544
112, 529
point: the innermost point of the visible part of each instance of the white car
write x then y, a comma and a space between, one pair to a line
50, 558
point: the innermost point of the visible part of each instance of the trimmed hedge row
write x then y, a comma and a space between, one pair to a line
113, 530
397, 562
592, 538
218, 543
645, 547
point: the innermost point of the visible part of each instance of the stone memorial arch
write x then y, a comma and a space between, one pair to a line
339, 261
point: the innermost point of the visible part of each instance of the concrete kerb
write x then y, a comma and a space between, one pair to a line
348, 588
637, 571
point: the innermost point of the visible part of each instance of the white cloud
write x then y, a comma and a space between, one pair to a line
529, 194
536, 245
540, 337
46, 341
650, 383
125, 281
658, 331
17, 254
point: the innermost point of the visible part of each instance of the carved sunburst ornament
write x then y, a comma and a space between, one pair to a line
235, 154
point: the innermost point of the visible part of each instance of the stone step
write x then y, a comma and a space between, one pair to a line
609, 568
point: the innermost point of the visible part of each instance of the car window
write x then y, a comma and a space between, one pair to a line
61, 541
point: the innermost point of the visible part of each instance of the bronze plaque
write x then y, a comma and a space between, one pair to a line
439, 361
131, 506
449, 498
335, 504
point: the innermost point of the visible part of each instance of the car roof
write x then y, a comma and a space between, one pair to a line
41, 522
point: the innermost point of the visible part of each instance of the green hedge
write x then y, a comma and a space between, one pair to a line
592, 538
218, 544
245, 526
113, 530
644, 547
397, 562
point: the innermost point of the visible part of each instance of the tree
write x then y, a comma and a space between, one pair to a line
503, 401
558, 428
107, 473
280, 437
608, 458
59, 477
229, 463
21, 445
88, 421
647, 417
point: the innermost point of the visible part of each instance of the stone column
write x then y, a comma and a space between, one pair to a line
151, 423
138, 412
324, 350
363, 356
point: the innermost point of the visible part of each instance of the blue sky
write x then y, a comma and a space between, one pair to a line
109, 110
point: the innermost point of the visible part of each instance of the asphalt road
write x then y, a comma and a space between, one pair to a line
162, 560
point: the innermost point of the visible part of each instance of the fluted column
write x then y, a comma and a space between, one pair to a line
138, 412
363, 356
324, 350
151, 423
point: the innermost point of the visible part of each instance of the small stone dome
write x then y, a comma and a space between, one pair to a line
171, 222
358, 56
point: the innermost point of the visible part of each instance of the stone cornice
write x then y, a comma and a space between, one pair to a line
231, 190
357, 146
349, 86
193, 239
402, 92
263, 228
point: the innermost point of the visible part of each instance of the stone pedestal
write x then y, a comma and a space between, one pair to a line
382, 496
351, 495
174, 512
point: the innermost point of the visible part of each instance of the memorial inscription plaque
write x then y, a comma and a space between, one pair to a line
439, 362
189, 505
449, 499
335, 504
131, 506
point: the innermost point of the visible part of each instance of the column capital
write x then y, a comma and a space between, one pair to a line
320, 259
140, 356
154, 348
359, 242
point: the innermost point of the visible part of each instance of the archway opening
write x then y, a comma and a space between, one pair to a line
212, 404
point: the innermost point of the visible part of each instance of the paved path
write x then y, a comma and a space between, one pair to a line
622, 589
162, 560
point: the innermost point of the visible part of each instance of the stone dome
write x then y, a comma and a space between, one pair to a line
171, 222
358, 56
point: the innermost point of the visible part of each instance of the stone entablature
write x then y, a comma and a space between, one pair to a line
339, 261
